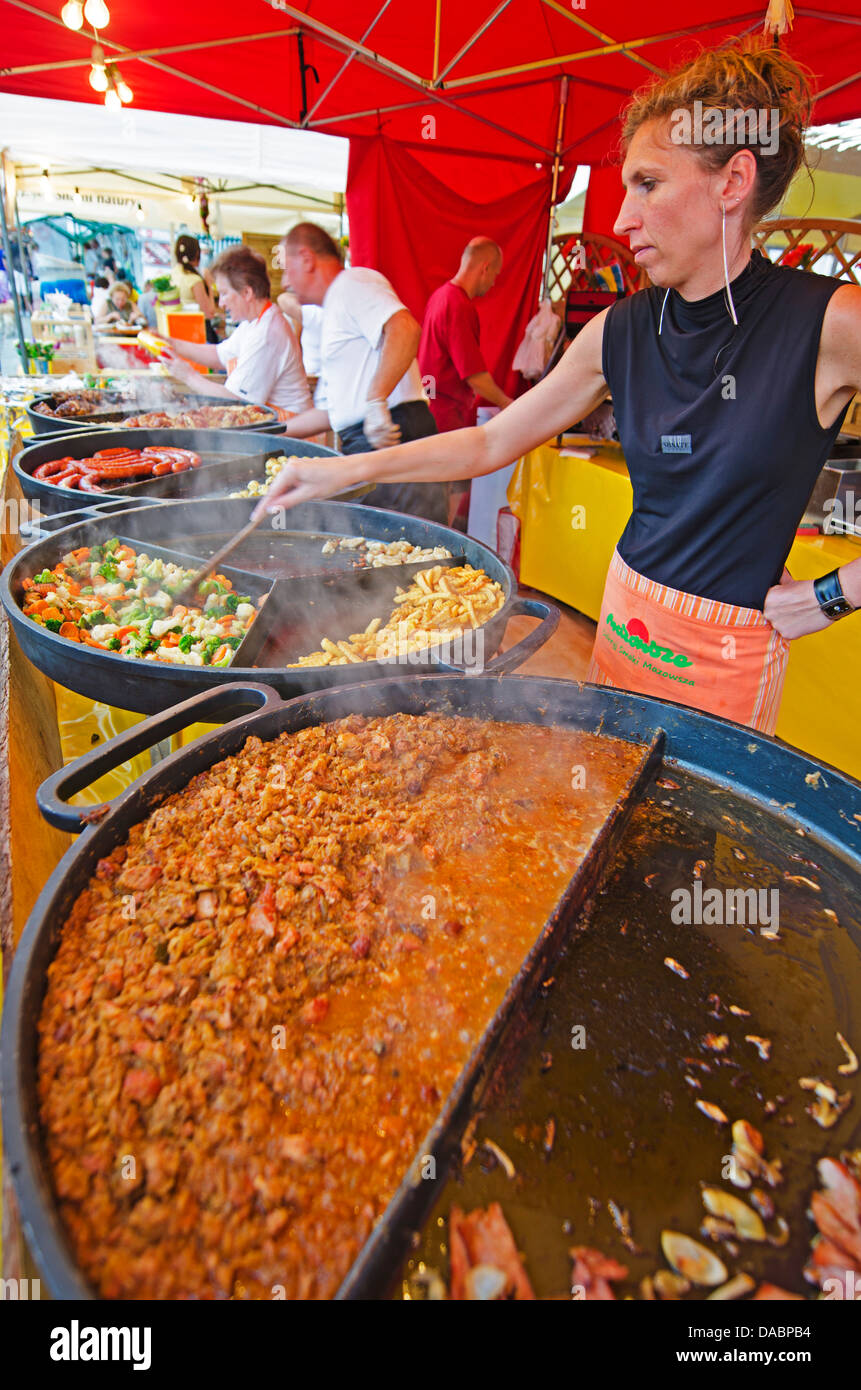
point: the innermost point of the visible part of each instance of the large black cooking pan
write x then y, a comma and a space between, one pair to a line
776, 783
119, 408
229, 460
318, 596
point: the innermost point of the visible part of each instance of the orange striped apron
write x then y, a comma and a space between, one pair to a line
662, 642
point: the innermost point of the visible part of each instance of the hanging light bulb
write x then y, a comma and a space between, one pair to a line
47, 186
97, 13
72, 14
98, 71
140, 214
125, 91
189, 201
112, 100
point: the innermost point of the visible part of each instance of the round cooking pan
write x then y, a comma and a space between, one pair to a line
109, 414
148, 686
770, 776
221, 450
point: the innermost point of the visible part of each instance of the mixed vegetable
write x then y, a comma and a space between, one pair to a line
110, 597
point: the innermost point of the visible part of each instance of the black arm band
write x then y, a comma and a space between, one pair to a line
830, 596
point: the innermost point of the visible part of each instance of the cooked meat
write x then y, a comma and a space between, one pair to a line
258, 1000
482, 1240
204, 417
837, 1213
593, 1273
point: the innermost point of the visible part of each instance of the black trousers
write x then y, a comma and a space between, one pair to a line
428, 500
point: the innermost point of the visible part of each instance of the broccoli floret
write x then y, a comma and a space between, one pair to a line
185, 642
44, 577
136, 609
91, 619
108, 570
53, 624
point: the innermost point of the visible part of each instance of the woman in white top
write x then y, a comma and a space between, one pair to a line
262, 356
192, 287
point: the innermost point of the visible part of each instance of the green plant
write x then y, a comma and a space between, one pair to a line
162, 284
41, 351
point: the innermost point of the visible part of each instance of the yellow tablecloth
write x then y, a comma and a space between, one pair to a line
573, 511
84, 724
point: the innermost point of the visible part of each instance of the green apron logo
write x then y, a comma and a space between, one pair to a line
636, 634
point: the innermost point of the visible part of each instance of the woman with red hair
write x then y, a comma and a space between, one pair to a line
730, 378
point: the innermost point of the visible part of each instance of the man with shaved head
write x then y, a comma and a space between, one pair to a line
449, 353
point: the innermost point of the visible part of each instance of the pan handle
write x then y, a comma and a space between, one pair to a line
521, 651
52, 795
44, 524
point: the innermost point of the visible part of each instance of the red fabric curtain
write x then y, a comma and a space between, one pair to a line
603, 199
410, 225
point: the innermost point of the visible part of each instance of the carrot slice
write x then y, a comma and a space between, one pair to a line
49, 611
72, 631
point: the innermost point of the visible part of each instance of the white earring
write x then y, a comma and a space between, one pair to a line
728, 291
663, 307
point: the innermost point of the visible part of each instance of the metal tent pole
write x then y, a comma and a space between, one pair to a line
557, 161
19, 231
13, 288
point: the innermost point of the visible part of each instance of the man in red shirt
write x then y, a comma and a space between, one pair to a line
449, 352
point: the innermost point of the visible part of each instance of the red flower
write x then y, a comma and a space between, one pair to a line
798, 256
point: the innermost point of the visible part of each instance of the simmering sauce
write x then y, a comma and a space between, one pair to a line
262, 999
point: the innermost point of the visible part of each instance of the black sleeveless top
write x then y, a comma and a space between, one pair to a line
719, 427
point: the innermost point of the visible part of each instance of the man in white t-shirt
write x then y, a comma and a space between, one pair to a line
370, 388
261, 356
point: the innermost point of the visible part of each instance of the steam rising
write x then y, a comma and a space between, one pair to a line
144, 393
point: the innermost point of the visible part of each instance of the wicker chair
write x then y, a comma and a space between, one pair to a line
836, 250
836, 245
567, 272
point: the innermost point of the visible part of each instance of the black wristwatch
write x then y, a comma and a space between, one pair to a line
830, 596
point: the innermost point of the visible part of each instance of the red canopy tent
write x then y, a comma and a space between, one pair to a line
462, 117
